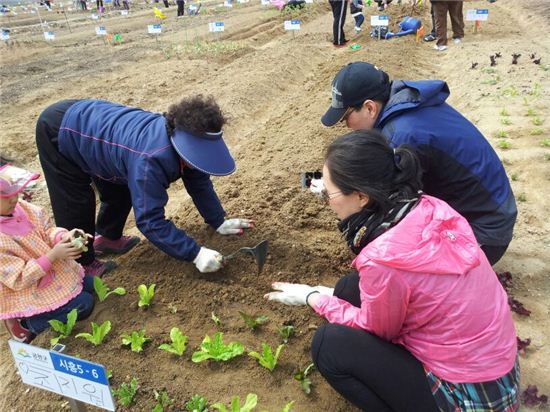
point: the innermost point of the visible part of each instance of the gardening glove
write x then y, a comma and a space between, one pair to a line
290, 293
208, 260
234, 226
317, 186
323, 290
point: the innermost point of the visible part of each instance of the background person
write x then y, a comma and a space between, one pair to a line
339, 8
40, 279
132, 156
425, 324
459, 165
440, 10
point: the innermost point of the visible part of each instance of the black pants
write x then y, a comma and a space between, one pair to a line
181, 7
70, 188
372, 373
493, 253
339, 8
166, 3
99, 3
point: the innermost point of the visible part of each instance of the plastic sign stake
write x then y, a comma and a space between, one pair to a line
265, 2
123, 12
49, 35
216, 27
65, 375
292, 25
379, 21
227, 3
477, 16
101, 31
5, 35
154, 29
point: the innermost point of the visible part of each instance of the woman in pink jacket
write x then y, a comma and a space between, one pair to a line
424, 325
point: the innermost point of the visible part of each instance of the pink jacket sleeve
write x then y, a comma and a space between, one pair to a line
384, 301
54, 233
18, 274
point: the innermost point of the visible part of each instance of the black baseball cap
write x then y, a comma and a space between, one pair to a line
355, 83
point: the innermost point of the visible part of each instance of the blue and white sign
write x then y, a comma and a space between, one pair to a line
216, 26
49, 35
477, 15
65, 375
101, 31
5, 35
292, 24
123, 12
265, 2
154, 29
227, 3
379, 20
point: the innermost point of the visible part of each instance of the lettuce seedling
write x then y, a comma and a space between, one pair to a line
197, 404
136, 340
98, 333
302, 377
253, 321
267, 359
126, 392
250, 403
216, 320
288, 407
163, 401
64, 329
103, 291
215, 349
146, 295
286, 332
80, 241
179, 342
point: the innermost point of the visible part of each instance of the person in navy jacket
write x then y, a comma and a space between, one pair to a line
459, 165
132, 156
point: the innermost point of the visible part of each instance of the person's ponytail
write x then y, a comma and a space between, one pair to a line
408, 175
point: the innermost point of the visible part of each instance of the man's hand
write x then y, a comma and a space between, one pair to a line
234, 226
208, 260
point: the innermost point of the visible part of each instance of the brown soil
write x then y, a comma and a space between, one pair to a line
274, 86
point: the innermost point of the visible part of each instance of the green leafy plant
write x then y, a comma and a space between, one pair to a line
146, 295
504, 144
302, 377
531, 112
536, 91
80, 240
103, 291
178, 345
505, 121
514, 177
510, 91
163, 401
216, 320
98, 333
537, 131
522, 197
501, 134
136, 340
126, 392
288, 407
197, 404
537, 121
249, 404
286, 332
267, 358
504, 112
253, 321
545, 142
64, 329
215, 349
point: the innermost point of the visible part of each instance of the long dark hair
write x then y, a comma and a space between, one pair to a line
363, 161
197, 114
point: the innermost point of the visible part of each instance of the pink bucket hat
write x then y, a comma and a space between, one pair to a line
14, 180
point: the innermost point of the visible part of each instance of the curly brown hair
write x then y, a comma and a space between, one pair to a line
197, 114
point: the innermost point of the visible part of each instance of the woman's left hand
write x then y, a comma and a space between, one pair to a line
235, 226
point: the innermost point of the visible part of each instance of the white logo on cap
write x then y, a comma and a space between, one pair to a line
337, 101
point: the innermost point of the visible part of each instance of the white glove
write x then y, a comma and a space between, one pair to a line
323, 290
208, 260
234, 226
290, 293
317, 186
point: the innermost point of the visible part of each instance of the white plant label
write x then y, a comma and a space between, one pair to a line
5, 35
477, 15
101, 31
265, 2
154, 29
123, 12
379, 20
227, 4
216, 26
49, 35
292, 24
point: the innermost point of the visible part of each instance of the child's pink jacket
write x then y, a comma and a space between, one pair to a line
29, 283
425, 284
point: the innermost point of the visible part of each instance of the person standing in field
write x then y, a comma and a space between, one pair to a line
339, 8
440, 10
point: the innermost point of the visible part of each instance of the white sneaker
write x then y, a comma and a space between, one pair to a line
440, 48
457, 40
357, 30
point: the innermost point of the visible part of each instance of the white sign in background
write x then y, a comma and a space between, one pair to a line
265, 2
477, 15
154, 29
65, 375
101, 31
292, 24
379, 21
216, 26
49, 35
5, 35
